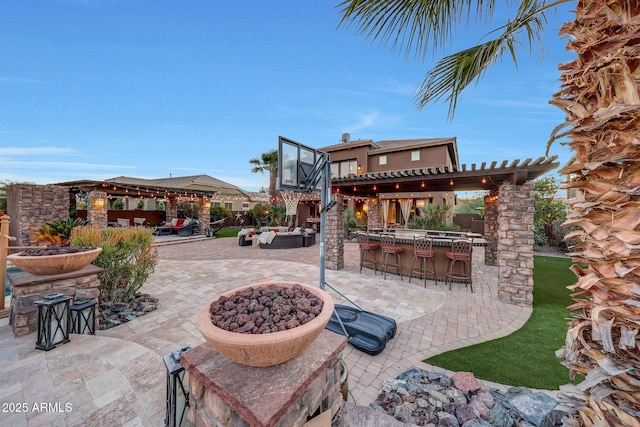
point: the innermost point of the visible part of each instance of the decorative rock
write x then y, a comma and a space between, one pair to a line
465, 381
434, 404
465, 413
533, 407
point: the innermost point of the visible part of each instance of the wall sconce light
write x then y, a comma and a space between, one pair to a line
83, 317
53, 321
98, 203
365, 207
207, 205
177, 388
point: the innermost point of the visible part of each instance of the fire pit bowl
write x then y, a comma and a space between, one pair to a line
265, 349
42, 265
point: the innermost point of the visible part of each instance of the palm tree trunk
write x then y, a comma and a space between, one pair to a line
600, 98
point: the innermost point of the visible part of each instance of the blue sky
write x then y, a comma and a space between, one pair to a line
98, 89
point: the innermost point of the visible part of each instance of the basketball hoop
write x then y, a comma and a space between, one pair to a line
291, 199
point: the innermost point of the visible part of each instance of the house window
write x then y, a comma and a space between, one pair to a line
415, 156
382, 160
346, 168
228, 205
245, 206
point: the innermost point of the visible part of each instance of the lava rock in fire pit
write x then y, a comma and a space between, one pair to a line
265, 310
55, 250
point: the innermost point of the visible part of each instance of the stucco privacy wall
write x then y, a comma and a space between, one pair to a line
30, 205
515, 244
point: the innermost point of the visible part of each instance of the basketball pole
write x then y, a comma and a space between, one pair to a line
325, 197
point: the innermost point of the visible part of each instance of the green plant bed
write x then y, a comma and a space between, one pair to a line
526, 357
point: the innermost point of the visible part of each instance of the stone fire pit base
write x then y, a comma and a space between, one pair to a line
223, 392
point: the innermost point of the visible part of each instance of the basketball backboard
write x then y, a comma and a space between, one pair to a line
299, 166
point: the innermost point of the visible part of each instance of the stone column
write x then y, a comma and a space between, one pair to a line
515, 244
204, 217
491, 229
373, 213
97, 215
171, 209
334, 250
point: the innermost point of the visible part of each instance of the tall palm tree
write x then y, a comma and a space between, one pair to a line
268, 162
600, 97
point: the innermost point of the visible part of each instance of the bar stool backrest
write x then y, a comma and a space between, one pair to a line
461, 249
422, 245
388, 241
363, 239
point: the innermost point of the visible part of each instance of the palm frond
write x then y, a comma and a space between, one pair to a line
412, 25
452, 74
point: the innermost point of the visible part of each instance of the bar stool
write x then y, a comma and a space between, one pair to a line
461, 252
423, 249
366, 247
388, 242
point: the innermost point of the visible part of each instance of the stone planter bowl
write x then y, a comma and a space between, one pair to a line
270, 349
54, 264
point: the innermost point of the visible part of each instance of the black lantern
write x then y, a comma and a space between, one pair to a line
83, 317
177, 388
53, 321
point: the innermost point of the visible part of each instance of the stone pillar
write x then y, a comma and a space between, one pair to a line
515, 244
373, 213
29, 206
171, 209
225, 393
96, 214
491, 229
204, 217
334, 250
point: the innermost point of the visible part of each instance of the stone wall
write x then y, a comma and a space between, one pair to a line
28, 288
30, 205
491, 229
515, 244
334, 251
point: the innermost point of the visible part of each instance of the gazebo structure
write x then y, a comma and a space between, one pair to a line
508, 218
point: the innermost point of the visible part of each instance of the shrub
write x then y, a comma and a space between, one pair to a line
128, 257
349, 220
539, 235
218, 212
58, 232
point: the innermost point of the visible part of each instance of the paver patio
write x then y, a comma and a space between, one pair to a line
117, 377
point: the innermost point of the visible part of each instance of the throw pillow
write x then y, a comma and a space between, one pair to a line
174, 222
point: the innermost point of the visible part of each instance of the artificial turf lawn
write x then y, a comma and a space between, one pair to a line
228, 232
526, 357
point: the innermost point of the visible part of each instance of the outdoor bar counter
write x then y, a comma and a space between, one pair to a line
441, 245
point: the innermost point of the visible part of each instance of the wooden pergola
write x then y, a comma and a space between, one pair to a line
463, 178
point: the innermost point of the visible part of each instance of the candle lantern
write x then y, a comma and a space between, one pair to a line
177, 388
53, 321
83, 317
